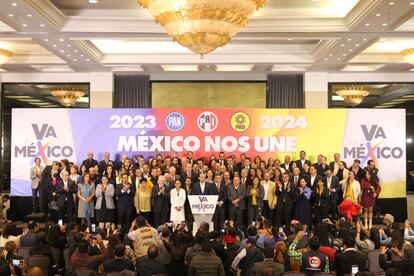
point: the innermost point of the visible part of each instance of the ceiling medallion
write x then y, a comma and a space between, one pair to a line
202, 25
67, 96
353, 95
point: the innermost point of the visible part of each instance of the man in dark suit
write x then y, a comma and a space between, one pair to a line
344, 261
150, 265
104, 163
358, 171
125, 192
244, 177
287, 164
294, 179
188, 172
241, 163
335, 164
236, 193
285, 193
313, 178
160, 200
231, 167
322, 167
302, 160
220, 212
332, 183
222, 159
202, 187
65, 189
45, 182
89, 162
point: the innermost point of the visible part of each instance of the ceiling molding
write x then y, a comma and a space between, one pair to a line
48, 11
360, 12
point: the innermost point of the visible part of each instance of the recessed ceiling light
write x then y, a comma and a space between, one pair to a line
411, 3
11, 15
385, 24
391, 3
62, 51
330, 55
75, 59
357, 45
344, 55
29, 15
61, 40
46, 39
24, 25
93, 1
68, 55
342, 45
364, 39
350, 50
349, 39
42, 25
378, 14
338, 59
69, 45
290, 39
87, 59
14, 4
367, 24
82, 55
54, 45
325, 58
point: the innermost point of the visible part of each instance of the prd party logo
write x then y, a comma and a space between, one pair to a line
240, 121
175, 121
207, 121
43, 150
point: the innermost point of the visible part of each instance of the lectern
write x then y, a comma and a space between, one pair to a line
203, 208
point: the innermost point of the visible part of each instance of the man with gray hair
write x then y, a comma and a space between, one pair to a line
160, 200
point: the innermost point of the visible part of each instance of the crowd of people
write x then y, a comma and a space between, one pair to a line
271, 217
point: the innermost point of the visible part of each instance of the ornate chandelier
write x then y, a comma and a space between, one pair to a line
67, 96
4, 55
408, 55
353, 95
202, 25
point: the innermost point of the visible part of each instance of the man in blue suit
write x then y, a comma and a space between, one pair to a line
202, 187
332, 183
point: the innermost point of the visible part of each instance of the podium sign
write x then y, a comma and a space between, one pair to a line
202, 207
203, 204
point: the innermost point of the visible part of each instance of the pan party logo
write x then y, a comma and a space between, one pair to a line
240, 121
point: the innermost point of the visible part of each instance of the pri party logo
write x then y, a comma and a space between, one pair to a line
207, 121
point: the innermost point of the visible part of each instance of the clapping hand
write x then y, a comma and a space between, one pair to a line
407, 223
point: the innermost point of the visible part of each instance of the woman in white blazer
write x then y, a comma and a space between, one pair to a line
105, 206
354, 191
177, 199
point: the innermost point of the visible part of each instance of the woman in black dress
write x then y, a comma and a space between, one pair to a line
321, 201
